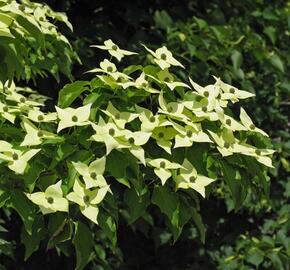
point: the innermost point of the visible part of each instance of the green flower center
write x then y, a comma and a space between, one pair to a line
206, 93
226, 145
204, 108
112, 131
86, 198
74, 118
39, 133
162, 164
163, 56
22, 99
192, 179
252, 126
160, 134
166, 79
144, 84
110, 69
131, 140
41, 19
228, 122
258, 152
115, 47
152, 119
232, 90
117, 116
189, 133
5, 109
93, 175
22, 7
15, 156
50, 200
169, 109
40, 117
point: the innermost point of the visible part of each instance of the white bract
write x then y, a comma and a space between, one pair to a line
88, 199
232, 93
165, 77
189, 178
7, 112
163, 168
113, 49
38, 116
189, 134
34, 136
17, 159
51, 200
150, 121
133, 141
70, 117
248, 123
107, 133
142, 83
164, 58
93, 173
120, 118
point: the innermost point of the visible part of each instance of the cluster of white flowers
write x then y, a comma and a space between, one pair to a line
177, 123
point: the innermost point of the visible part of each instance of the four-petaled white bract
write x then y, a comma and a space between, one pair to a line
88, 199
164, 58
113, 49
51, 200
70, 117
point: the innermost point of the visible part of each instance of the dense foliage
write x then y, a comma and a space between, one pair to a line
30, 43
141, 202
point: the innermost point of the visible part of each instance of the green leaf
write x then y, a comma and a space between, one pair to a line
118, 169
108, 225
255, 256
237, 59
276, 261
70, 92
257, 170
199, 224
201, 23
4, 196
83, 242
136, 204
24, 207
276, 62
60, 229
31, 242
131, 69
233, 179
170, 205
32, 175
162, 19
270, 31
6, 248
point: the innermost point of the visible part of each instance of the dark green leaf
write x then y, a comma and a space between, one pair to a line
276, 62
24, 207
108, 225
70, 92
32, 241
136, 204
83, 243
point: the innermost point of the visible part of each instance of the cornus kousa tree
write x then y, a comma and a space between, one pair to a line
132, 144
